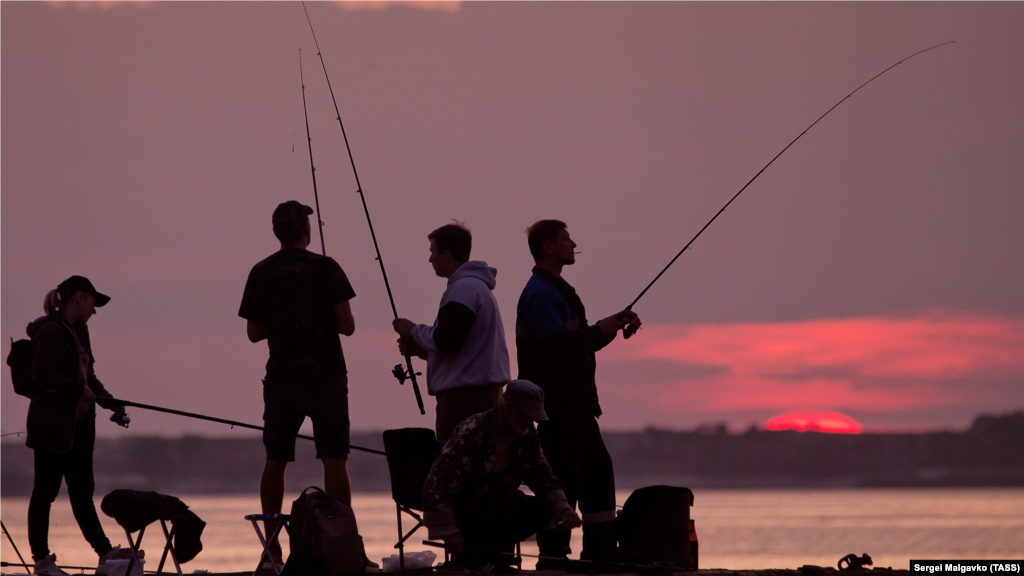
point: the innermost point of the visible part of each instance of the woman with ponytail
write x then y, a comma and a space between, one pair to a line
62, 420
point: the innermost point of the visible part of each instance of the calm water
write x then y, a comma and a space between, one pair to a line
736, 528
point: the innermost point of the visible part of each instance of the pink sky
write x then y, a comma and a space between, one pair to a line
874, 269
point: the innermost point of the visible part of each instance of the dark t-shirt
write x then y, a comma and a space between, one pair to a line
293, 292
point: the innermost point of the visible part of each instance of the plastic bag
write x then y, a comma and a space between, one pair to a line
120, 567
413, 561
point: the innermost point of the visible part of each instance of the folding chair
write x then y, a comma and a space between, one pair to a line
411, 453
135, 511
282, 522
168, 549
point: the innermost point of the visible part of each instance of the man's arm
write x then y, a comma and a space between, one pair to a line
255, 330
454, 320
543, 317
343, 315
542, 314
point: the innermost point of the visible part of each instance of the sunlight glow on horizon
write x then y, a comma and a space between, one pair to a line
830, 422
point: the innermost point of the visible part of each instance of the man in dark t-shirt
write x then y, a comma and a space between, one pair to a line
299, 302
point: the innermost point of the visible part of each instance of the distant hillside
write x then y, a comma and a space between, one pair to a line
990, 453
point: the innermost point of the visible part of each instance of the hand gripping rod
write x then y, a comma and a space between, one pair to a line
629, 330
399, 373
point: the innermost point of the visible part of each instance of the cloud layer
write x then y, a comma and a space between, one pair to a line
875, 364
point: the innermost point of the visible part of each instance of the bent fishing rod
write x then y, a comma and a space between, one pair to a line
130, 404
400, 373
631, 329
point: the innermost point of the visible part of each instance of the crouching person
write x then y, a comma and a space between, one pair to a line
472, 497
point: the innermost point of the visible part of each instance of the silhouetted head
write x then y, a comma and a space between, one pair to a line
291, 224
76, 298
522, 404
550, 242
450, 246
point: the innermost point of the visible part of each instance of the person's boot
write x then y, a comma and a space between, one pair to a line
554, 545
598, 541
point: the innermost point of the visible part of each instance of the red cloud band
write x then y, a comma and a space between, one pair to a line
868, 363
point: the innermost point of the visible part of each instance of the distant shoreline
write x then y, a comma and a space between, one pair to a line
989, 454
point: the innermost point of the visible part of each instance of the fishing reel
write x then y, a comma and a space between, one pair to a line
402, 374
121, 419
629, 330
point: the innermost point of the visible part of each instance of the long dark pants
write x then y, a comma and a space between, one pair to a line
493, 523
578, 457
75, 468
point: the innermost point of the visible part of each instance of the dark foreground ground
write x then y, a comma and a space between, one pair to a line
803, 571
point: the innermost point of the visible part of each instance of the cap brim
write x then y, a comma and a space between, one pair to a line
101, 299
537, 414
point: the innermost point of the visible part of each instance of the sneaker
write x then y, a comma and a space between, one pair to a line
115, 553
48, 567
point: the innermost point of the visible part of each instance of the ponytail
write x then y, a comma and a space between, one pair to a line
52, 302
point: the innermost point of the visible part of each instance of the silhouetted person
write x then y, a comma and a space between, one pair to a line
471, 497
299, 302
62, 419
467, 360
556, 350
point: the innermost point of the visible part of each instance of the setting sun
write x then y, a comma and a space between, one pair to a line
833, 422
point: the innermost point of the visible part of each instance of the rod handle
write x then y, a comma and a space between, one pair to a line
629, 330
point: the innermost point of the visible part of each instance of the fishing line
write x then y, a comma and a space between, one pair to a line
996, 446
398, 372
630, 329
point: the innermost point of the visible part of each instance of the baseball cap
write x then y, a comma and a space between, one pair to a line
527, 396
291, 213
81, 284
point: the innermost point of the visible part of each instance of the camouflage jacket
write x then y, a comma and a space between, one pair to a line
469, 457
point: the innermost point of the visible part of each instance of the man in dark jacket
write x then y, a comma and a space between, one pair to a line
556, 350
61, 422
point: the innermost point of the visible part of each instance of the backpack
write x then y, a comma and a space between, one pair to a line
654, 526
20, 361
323, 536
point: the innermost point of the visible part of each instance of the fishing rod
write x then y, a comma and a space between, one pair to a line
6, 564
630, 329
130, 404
309, 144
434, 544
400, 373
11, 540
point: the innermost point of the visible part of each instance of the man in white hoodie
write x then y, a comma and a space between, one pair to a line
467, 360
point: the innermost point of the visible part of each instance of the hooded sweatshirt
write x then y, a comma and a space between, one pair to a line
483, 356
